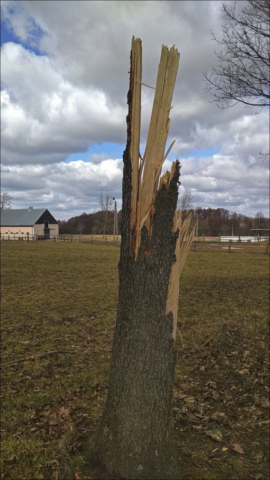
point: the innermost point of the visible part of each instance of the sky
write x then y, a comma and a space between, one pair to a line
64, 83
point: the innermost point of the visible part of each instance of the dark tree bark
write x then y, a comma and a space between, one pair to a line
134, 436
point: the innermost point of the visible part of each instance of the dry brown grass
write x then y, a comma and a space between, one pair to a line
63, 297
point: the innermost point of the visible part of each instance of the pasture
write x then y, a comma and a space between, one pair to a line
58, 311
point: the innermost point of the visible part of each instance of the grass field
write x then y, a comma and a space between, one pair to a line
58, 314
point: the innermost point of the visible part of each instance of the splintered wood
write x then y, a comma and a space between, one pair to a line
135, 88
146, 169
183, 243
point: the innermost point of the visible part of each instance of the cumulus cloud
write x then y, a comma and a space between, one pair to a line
66, 188
64, 86
46, 114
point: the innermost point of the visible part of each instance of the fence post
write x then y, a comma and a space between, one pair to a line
230, 244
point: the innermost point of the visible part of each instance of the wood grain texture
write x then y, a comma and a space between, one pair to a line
135, 112
154, 157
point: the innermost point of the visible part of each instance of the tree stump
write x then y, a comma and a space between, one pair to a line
134, 436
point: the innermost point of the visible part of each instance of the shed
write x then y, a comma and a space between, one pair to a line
28, 223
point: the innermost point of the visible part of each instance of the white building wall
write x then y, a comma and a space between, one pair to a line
31, 233
53, 227
13, 233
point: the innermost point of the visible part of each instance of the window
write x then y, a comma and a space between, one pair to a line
46, 224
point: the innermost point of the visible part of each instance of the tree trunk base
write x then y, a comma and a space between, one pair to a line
160, 463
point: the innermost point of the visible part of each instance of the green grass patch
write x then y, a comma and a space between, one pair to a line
58, 313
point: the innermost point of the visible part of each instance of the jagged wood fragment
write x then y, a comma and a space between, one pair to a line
163, 160
159, 124
135, 84
146, 170
185, 250
183, 243
156, 141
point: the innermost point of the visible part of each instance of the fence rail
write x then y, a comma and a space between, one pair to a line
230, 247
196, 246
106, 239
27, 237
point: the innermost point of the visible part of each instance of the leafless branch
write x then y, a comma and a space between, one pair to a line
5, 200
243, 63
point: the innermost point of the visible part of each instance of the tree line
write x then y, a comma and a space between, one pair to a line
212, 222
98, 223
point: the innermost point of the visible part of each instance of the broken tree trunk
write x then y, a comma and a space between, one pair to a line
133, 438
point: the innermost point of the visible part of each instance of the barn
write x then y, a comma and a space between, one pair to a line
27, 224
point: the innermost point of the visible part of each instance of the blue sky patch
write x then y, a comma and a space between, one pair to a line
7, 35
115, 150
200, 152
111, 150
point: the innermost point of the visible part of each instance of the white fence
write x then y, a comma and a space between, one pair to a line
13, 236
240, 238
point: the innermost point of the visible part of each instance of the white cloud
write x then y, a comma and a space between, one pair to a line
64, 187
73, 96
45, 113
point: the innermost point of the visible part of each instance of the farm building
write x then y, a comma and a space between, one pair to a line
27, 224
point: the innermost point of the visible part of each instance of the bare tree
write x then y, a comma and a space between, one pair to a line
5, 200
185, 202
242, 71
259, 220
80, 228
115, 220
263, 156
106, 206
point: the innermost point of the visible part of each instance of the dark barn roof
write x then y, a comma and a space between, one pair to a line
24, 217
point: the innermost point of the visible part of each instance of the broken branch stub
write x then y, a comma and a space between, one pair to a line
146, 170
144, 189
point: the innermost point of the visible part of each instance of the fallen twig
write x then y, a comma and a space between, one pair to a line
85, 429
180, 337
209, 340
203, 345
